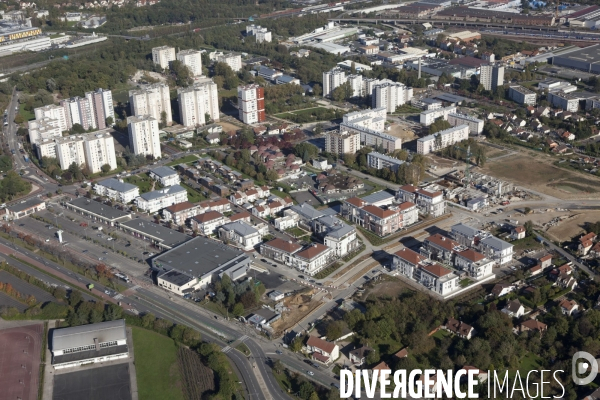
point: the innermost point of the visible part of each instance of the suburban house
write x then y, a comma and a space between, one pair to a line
459, 328
514, 309
501, 289
402, 353
518, 232
533, 325
546, 261
322, 351
208, 222
358, 356
569, 307
180, 213
585, 243
167, 176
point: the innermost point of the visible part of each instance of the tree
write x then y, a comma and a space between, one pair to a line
528, 228
163, 119
314, 396
439, 125
278, 366
148, 320
77, 129
306, 151
334, 330
105, 168
306, 390
317, 90
109, 121
75, 298
238, 309
296, 345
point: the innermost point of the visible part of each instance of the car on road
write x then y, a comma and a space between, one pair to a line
84, 251
310, 373
278, 352
100, 258
107, 292
264, 260
47, 240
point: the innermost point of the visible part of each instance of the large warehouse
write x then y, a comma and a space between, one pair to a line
86, 344
586, 59
194, 264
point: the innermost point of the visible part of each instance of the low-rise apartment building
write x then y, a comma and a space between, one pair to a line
180, 213
475, 124
240, 234
442, 139
167, 176
116, 189
156, 200
428, 203
208, 222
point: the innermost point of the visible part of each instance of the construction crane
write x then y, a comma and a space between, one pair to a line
467, 163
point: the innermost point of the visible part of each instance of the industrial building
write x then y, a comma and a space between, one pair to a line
196, 263
97, 211
586, 59
88, 344
522, 95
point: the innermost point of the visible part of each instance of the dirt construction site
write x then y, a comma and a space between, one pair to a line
298, 307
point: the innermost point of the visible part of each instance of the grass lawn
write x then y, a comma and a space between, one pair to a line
277, 193
284, 380
193, 195
440, 334
143, 181
465, 282
528, 243
244, 349
529, 362
156, 366
295, 231
183, 160
27, 115
299, 112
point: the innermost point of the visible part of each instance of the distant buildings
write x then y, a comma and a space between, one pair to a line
163, 55
234, 61
198, 101
442, 139
192, 59
251, 104
143, 135
342, 142
262, 34
332, 80
152, 100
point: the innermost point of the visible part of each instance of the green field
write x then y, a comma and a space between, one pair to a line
158, 376
299, 112
183, 160
143, 181
193, 195
27, 115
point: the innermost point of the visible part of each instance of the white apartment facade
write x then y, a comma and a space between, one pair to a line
70, 150
156, 200
342, 142
522, 95
475, 124
442, 139
332, 80
118, 190
251, 104
356, 84
152, 100
372, 118
102, 106
379, 161
233, 60
79, 110
167, 176
192, 59
143, 135
241, 234
163, 55
55, 113
391, 95
369, 137
43, 129
428, 117
196, 101
491, 76
99, 148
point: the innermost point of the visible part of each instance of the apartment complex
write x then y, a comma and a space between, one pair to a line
442, 139
192, 59
333, 79
118, 190
198, 101
522, 95
428, 117
379, 214
79, 110
390, 95
54, 113
342, 142
234, 61
102, 106
262, 34
369, 137
152, 100
475, 125
163, 55
428, 203
373, 118
491, 76
251, 104
43, 129
379, 161
156, 200
91, 150
143, 135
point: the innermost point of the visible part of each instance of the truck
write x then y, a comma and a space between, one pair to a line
122, 276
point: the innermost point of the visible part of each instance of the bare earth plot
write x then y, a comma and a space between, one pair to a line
537, 173
573, 226
402, 131
20, 352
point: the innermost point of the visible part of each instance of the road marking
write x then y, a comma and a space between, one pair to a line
118, 297
226, 349
136, 287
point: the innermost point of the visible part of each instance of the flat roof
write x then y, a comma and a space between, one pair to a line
176, 277
157, 194
590, 54
117, 185
167, 237
25, 205
376, 197
450, 98
84, 335
97, 208
199, 256
163, 171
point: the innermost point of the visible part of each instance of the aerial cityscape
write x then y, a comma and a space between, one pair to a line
299, 200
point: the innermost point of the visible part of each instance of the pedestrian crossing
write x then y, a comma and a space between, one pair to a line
136, 287
118, 296
242, 339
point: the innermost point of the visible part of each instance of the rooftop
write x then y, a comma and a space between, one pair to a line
95, 207
378, 196
15, 208
240, 227
117, 185
198, 256
163, 171
177, 278
313, 251
163, 235
287, 246
85, 335
307, 211
496, 243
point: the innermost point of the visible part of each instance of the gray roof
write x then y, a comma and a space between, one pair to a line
465, 230
97, 208
240, 227
198, 257
378, 196
117, 185
285, 78
341, 231
496, 243
451, 98
157, 194
163, 171
15, 208
307, 211
84, 335
177, 278
163, 235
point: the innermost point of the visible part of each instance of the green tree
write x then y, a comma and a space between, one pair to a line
106, 168
528, 228
306, 151
238, 309
109, 121
317, 90
296, 345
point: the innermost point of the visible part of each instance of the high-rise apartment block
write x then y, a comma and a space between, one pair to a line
491, 76
99, 148
262, 34
356, 84
390, 95
191, 59
78, 110
55, 113
251, 104
333, 79
163, 55
233, 60
102, 106
342, 142
152, 100
43, 129
197, 101
91, 150
143, 135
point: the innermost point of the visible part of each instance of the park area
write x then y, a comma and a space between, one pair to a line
535, 171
